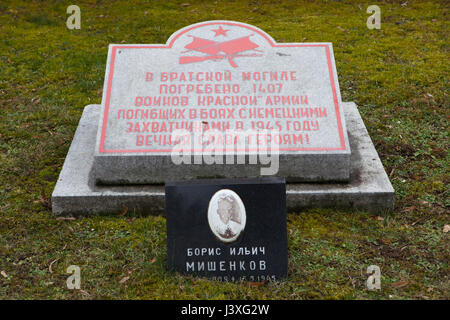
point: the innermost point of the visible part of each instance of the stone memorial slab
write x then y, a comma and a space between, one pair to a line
77, 194
227, 229
226, 77
223, 76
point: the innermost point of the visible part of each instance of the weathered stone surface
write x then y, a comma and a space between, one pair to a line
238, 78
75, 193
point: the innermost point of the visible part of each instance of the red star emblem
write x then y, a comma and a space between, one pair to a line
220, 31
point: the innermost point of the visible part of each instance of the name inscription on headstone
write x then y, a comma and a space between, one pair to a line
228, 230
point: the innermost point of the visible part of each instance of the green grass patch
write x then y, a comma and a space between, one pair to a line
398, 76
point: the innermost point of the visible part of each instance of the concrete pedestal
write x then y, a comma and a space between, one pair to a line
76, 193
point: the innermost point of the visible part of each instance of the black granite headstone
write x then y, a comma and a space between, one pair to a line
227, 229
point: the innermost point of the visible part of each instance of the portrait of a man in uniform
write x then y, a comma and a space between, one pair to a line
230, 216
226, 215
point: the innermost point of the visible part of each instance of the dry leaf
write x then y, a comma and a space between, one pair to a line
392, 172
256, 284
3, 273
124, 212
45, 201
409, 209
153, 260
84, 293
50, 265
446, 228
65, 218
414, 223
379, 218
400, 284
124, 279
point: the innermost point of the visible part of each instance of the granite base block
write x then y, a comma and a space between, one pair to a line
76, 193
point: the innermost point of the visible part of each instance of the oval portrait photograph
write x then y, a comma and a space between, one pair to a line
226, 215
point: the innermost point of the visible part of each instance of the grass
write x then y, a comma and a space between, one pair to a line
398, 75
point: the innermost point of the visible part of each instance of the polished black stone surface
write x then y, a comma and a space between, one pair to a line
258, 253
